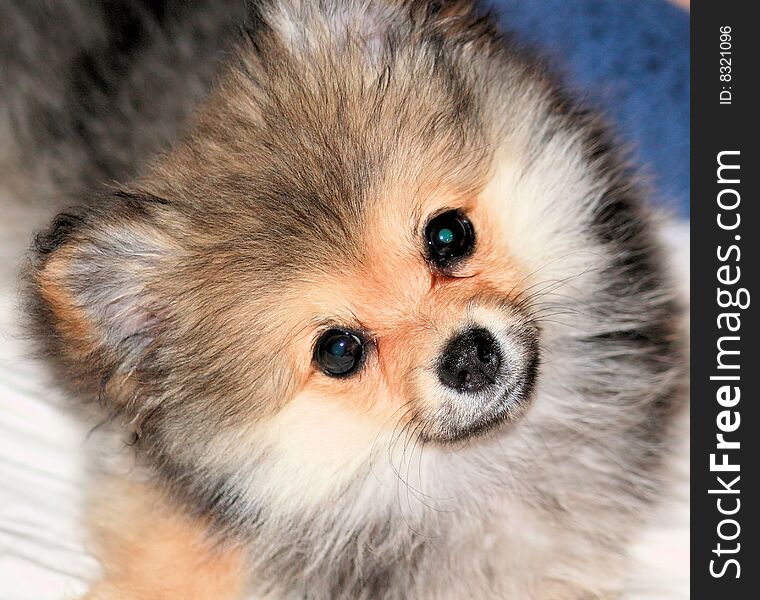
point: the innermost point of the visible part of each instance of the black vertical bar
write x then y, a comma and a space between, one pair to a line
724, 118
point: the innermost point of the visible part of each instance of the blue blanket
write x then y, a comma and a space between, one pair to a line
631, 58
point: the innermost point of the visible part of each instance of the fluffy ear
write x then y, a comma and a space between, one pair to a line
94, 288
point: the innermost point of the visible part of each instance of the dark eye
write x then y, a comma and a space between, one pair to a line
449, 237
338, 352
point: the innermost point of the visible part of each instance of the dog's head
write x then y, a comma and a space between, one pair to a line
384, 219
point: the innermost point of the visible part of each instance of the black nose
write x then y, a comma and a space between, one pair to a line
470, 362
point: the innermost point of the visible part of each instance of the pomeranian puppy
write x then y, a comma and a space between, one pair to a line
376, 307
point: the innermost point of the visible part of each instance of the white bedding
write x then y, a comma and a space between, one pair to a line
41, 468
42, 554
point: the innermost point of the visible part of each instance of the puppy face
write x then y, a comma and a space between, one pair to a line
368, 230
421, 328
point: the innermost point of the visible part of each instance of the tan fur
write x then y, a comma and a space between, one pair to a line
73, 323
151, 550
